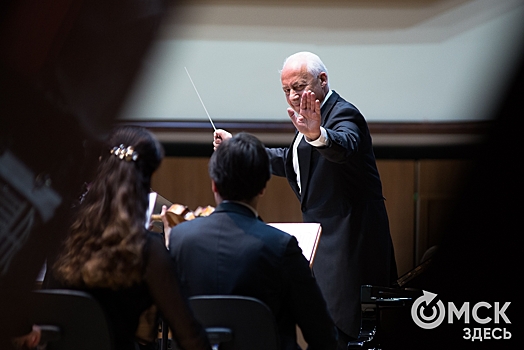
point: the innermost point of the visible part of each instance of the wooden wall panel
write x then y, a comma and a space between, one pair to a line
279, 203
184, 180
398, 184
415, 225
439, 188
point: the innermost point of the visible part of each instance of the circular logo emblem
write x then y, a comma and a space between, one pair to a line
425, 317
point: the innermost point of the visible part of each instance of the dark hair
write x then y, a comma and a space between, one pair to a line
240, 167
104, 247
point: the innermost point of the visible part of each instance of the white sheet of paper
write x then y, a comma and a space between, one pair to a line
307, 235
152, 201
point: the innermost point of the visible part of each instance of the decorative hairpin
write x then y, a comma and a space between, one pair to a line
125, 153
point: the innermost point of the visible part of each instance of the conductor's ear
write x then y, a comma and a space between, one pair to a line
323, 79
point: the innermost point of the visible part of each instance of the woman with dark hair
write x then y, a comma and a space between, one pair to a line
110, 254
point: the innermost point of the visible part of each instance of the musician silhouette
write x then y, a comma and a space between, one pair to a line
232, 251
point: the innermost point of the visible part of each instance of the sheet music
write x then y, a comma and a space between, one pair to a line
152, 200
307, 235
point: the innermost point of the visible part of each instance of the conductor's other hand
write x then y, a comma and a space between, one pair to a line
218, 136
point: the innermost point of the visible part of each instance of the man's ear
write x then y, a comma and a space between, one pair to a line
262, 191
213, 186
323, 79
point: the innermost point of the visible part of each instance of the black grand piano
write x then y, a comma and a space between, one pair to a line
386, 313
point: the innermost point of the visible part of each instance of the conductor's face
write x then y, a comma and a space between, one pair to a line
296, 80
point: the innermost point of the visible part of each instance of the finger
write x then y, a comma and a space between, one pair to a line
303, 100
312, 101
317, 106
291, 113
307, 100
34, 337
224, 135
34, 340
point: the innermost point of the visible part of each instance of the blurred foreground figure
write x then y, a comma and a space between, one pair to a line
479, 259
477, 264
65, 68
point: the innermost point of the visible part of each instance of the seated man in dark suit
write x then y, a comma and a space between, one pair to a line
232, 251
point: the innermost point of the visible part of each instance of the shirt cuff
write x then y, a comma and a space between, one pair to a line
322, 140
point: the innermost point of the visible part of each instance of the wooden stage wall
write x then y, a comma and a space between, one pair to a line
418, 195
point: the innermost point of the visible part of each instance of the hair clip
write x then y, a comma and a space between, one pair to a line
125, 153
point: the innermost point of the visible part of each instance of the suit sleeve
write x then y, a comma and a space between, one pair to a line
345, 135
306, 300
277, 159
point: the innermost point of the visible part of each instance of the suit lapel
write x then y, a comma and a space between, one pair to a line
289, 169
327, 107
304, 161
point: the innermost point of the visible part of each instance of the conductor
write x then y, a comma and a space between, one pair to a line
331, 167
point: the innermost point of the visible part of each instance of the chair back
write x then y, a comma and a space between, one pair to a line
70, 320
236, 322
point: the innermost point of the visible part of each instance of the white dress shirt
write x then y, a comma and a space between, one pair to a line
322, 140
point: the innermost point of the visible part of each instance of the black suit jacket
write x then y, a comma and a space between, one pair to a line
342, 190
233, 252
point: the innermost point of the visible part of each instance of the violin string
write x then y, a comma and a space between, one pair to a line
212, 124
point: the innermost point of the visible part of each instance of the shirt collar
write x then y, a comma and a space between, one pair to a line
244, 204
326, 98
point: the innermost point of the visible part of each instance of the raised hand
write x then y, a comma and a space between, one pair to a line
308, 119
218, 136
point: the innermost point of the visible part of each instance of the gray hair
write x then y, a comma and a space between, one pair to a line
314, 64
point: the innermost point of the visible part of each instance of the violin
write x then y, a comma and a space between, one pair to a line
178, 213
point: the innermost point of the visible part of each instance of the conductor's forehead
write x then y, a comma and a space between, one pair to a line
295, 74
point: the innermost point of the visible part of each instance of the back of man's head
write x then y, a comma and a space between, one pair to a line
240, 167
